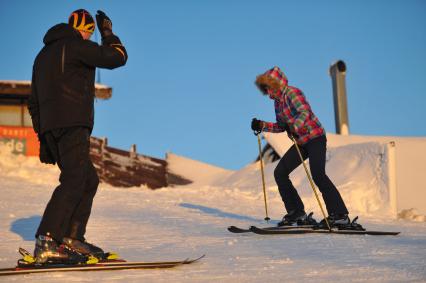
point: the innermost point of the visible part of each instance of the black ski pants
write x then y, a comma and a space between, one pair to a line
315, 150
69, 208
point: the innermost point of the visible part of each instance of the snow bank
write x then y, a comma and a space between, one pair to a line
409, 166
26, 168
359, 171
199, 172
411, 214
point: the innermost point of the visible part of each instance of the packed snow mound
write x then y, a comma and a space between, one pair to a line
358, 170
27, 168
411, 214
408, 166
199, 172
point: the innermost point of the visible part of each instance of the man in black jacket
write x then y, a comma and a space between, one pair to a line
62, 112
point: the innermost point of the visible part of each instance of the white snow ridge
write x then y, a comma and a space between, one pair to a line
188, 221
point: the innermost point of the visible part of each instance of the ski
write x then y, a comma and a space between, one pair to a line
261, 231
102, 266
311, 226
108, 257
309, 222
235, 229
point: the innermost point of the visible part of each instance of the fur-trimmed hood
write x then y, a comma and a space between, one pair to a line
274, 79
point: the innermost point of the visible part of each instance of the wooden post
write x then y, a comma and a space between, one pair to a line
133, 153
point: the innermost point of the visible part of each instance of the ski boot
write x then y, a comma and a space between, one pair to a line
88, 249
48, 251
339, 221
293, 218
354, 225
309, 220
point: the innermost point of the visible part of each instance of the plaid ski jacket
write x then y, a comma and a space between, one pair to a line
293, 111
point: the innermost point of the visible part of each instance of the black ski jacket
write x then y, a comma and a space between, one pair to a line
63, 79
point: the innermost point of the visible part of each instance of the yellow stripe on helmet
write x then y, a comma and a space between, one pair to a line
83, 26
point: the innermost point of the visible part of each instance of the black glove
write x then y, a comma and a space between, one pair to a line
45, 154
256, 125
104, 24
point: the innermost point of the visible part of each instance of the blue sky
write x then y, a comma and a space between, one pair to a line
188, 85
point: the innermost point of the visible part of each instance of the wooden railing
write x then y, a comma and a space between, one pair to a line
128, 168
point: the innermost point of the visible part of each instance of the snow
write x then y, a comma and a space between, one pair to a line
99, 86
188, 221
198, 172
15, 82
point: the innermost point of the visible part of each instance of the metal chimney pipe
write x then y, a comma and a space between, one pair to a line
338, 72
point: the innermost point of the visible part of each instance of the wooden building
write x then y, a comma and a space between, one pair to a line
115, 166
16, 130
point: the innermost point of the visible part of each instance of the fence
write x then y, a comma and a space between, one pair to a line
122, 168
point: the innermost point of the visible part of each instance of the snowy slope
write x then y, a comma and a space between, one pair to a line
187, 221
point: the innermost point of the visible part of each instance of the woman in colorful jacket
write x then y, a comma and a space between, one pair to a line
294, 115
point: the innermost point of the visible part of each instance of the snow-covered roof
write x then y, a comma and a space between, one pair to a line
23, 88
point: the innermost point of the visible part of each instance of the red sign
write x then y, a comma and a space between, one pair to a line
20, 140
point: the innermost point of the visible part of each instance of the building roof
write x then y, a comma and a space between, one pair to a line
22, 89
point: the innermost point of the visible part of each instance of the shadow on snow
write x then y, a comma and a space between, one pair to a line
26, 227
218, 212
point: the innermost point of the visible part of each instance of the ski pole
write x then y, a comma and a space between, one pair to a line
310, 180
263, 175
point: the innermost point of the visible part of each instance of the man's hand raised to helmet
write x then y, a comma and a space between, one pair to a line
104, 24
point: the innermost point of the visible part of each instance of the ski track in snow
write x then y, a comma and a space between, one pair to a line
181, 222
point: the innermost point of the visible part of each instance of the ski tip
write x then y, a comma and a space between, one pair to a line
203, 256
112, 256
235, 229
92, 260
187, 261
26, 256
